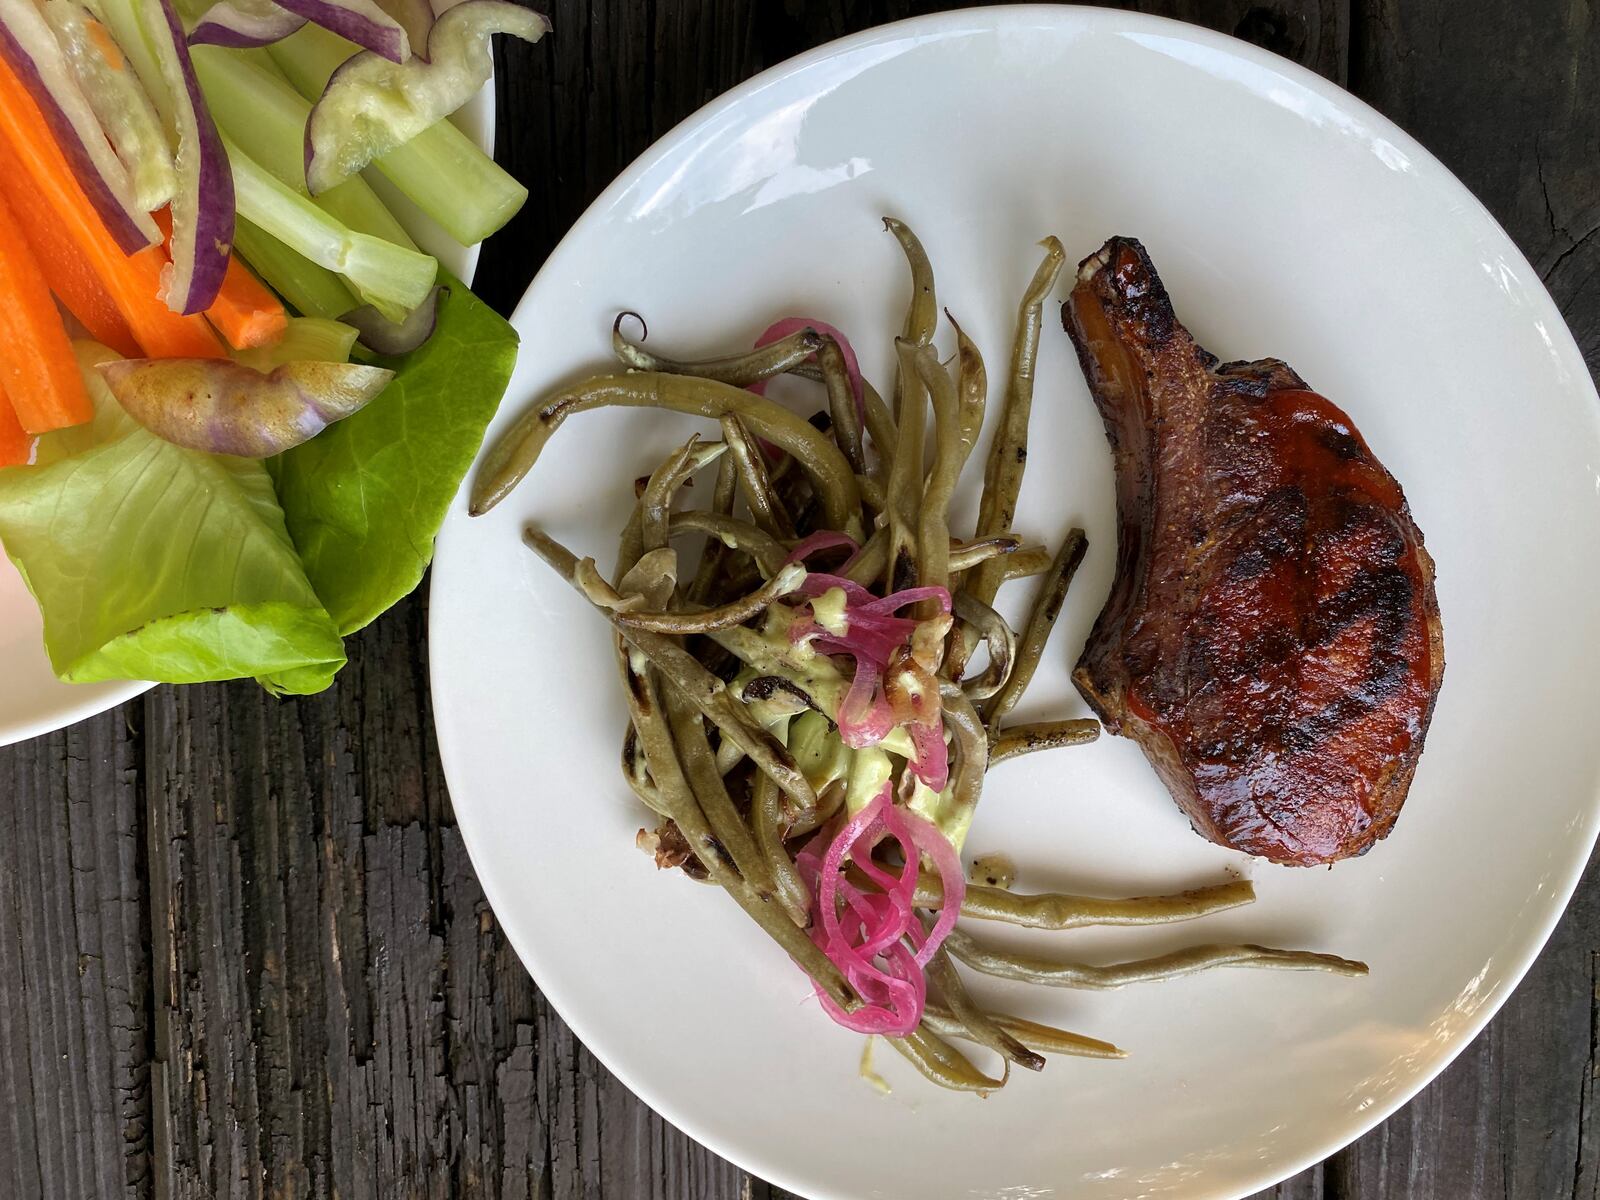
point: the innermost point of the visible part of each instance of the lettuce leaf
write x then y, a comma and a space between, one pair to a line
365, 498
150, 561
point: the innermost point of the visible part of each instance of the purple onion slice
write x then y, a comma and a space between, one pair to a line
360, 21
244, 23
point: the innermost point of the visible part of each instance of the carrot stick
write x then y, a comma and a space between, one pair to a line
69, 274
244, 312
37, 367
16, 443
30, 161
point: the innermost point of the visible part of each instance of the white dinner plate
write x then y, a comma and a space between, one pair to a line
32, 700
1287, 219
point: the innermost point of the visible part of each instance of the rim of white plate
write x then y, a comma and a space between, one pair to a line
79, 702
1110, 21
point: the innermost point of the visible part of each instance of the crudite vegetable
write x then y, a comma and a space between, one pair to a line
153, 193
806, 713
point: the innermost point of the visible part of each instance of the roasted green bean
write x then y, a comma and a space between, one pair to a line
705, 690
972, 382
730, 533
766, 819
976, 1025
1026, 561
655, 498
950, 453
991, 628
739, 370
923, 311
870, 562
766, 510
637, 773
716, 551
880, 425
1027, 968
1002, 475
842, 405
736, 612
1016, 740
513, 456
966, 555
1041, 620
1061, 910
903, 493
941, 1062
1044, 1038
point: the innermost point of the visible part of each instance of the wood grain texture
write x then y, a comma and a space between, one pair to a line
242, 951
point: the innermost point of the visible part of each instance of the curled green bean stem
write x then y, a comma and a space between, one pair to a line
1002, 475
1016, 740
1061, 910
1052, 594
1046, 1039
513, 456
1026, 968
736, 612
739, 370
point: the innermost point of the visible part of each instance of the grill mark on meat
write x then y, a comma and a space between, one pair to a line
1272, 638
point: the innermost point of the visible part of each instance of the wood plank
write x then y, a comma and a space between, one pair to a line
73, 966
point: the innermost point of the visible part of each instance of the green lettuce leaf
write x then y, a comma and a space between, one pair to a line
150, 561
365, 498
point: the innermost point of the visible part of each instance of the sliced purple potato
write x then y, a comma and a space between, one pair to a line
202, 206
371, 106
30, 48
242, 24
224, 407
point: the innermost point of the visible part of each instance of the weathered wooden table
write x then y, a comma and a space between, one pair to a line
242, 951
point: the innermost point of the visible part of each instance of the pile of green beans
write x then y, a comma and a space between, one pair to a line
708, 693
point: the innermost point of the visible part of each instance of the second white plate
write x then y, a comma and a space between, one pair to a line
1287, 219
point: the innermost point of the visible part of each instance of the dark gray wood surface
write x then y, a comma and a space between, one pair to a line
242, 951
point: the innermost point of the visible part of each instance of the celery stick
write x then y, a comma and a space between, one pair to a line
440, 169
391, 278
267, 118
307, 339
311, 290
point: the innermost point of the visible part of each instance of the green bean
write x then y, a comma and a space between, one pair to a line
842, 404
941, 1062
651, 579
975, 1023
637, 773
903, 493
715, 554
1041, 620
1029, 560
674, 471
880, 424
1050, 973
970, 743
973, 385
513, 456
699, 764
737, 612
739, 370
966, 555
950, 452
923, 311
645, 709
1060, 910
990, 627
708, 693
730, 533
1044, 1038
872, 493
767, 819
870, 561
1014, 741
1002, 475
766, 510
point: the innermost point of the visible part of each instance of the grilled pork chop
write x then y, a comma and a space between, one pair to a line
1272, 639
